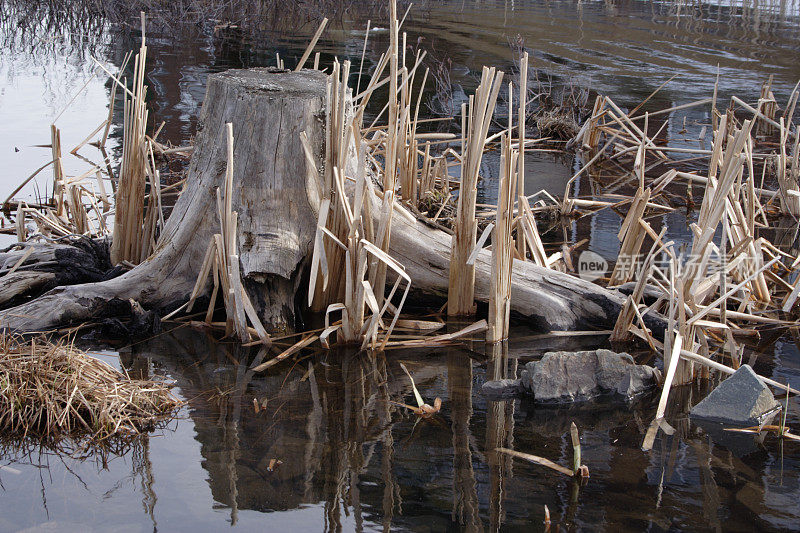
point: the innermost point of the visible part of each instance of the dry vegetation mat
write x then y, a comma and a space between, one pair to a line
52, 390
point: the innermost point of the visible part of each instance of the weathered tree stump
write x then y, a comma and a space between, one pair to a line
276, 223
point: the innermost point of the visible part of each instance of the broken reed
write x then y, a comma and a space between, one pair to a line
128, 244
52, 390
476, 118
340, 244
327, 290
503, 248
221, 261
523, 111
741, 279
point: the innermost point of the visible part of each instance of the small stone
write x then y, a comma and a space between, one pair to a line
502, 388
741, 400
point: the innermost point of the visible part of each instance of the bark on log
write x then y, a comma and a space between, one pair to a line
277, 221
45, 266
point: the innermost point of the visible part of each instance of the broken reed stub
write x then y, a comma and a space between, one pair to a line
741, 400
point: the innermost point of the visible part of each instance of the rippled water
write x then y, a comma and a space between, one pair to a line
349, 458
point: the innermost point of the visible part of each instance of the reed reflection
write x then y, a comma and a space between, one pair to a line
465, 495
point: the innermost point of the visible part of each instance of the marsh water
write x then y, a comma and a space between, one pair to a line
327, 448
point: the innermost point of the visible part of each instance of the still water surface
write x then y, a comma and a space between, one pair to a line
349, 458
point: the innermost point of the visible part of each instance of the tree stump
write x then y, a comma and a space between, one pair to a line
276, 202
276, 224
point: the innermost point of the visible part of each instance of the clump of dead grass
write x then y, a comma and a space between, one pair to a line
53, 390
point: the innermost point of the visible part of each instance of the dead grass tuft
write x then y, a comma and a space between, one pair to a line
55, 390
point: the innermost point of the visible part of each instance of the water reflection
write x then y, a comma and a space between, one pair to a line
326, 448
465, 496
499, 433
366, 463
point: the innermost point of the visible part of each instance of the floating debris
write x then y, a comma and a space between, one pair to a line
423, 409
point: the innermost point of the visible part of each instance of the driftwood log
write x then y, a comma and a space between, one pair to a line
550, 300
277, 223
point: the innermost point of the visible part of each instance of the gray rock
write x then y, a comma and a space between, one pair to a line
638, 379
502, 389
741, 400
579, 376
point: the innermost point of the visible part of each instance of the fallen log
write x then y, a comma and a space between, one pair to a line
550, 300
276, 223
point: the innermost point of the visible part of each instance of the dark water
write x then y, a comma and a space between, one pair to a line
350, 459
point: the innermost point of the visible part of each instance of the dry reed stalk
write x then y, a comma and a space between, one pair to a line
154, 214
378, 277
591, 132
708, 311
522, 113
789, 172
767, 106
722, 199
422, 409
530, 233
340, 245
339, 142
354, 327
55, 390
671, 366
503, 245
222, 262
632, 236
578, 468
129, 216
311, 45
440, 340
477, 118
58, 170
306, 341
538, 460
630, 310
22, 233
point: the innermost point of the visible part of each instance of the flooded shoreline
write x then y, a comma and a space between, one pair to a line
327, 448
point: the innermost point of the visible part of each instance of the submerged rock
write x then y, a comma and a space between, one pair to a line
741, 400
561, 377
502, 388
